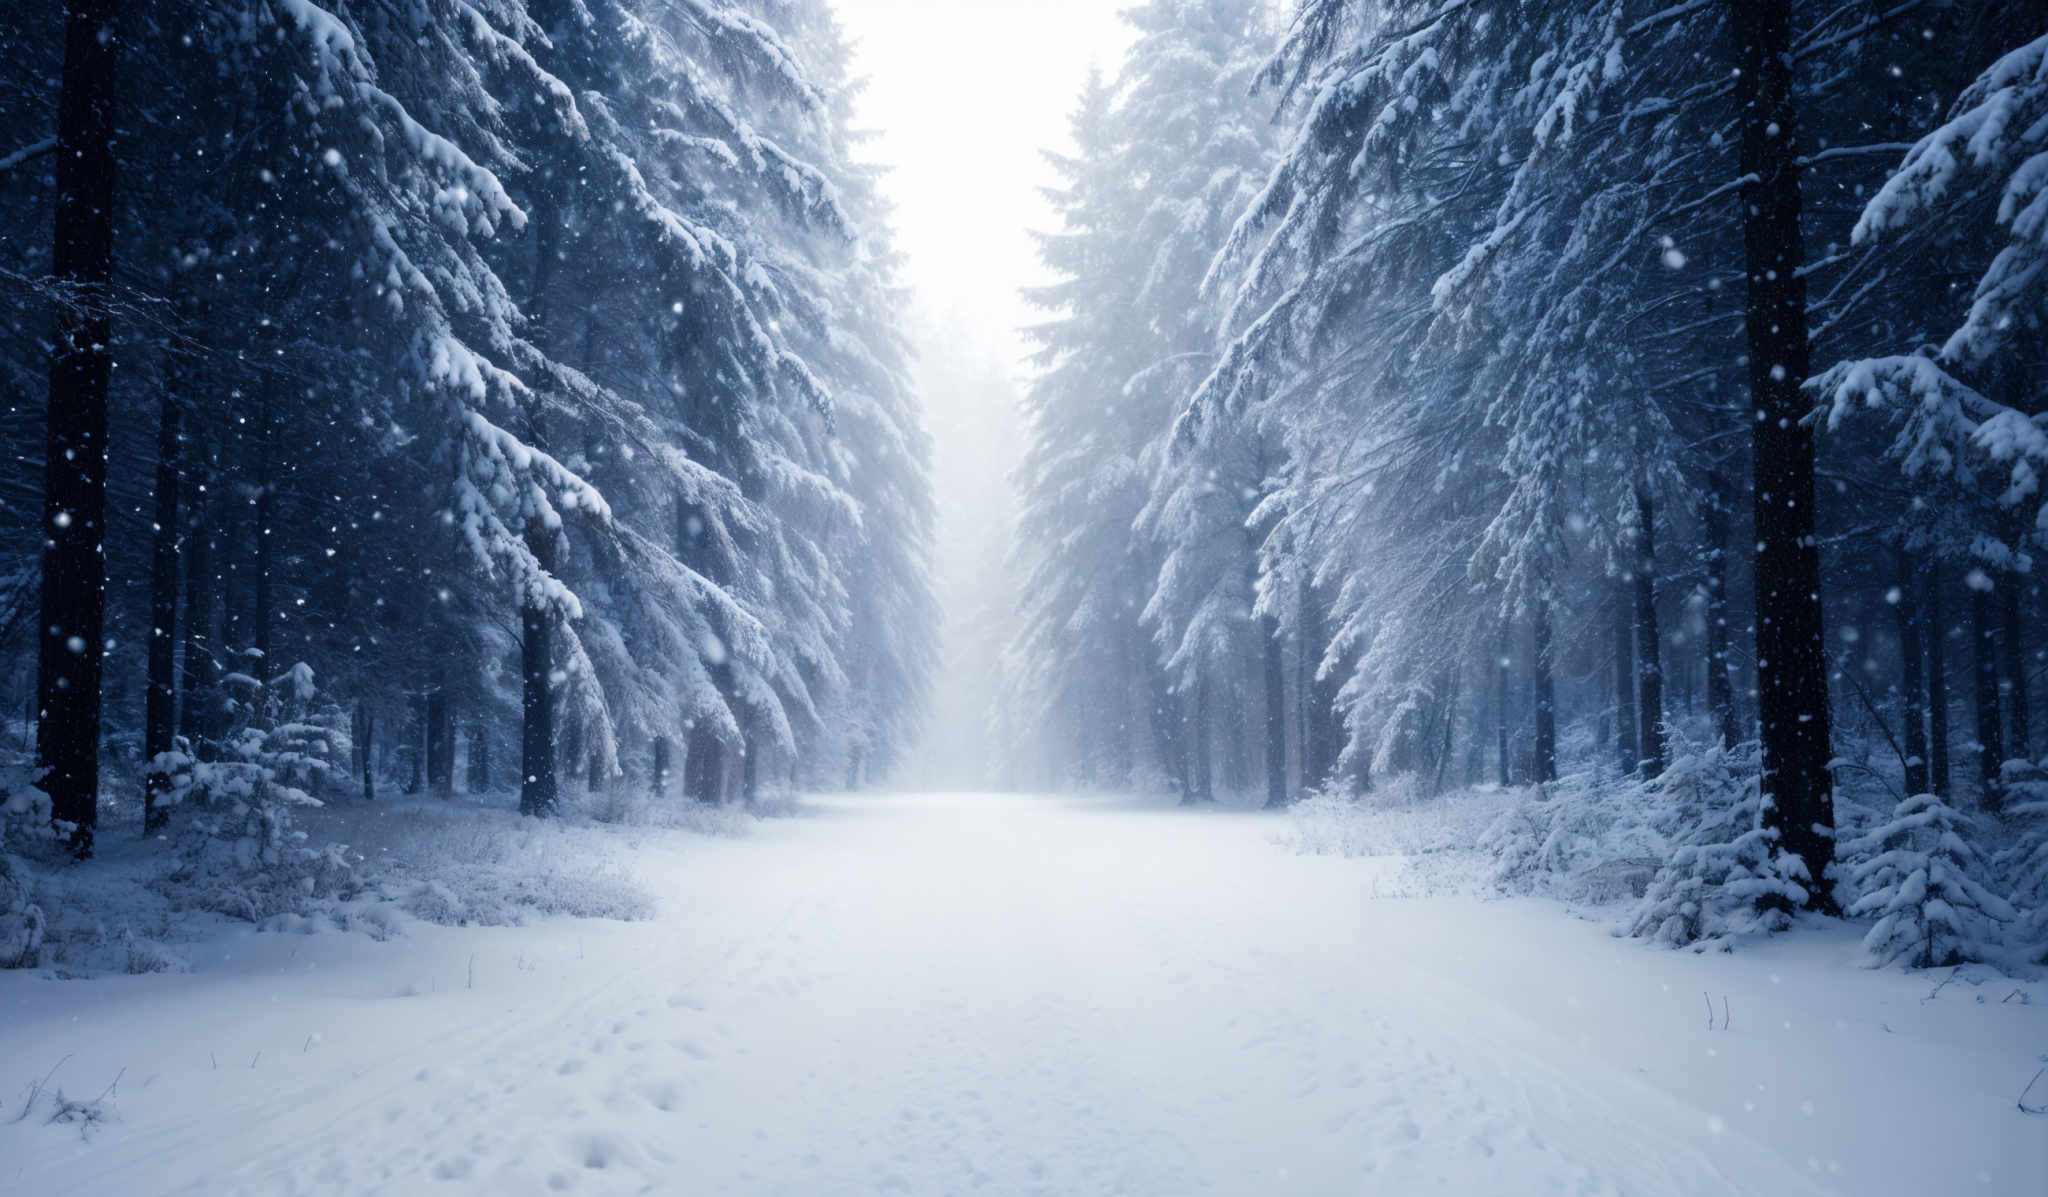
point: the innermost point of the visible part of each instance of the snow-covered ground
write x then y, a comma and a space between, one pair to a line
942, 995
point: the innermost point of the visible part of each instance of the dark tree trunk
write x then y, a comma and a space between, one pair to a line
1626, 720
228, 583
1443, 748
369, 753
2013, 660
1169, 726
704, 766
1500, 701
1912, 686
1322, 731
1120, 749
750, 769
1307, 655
1792, 677
537, 794
440, 735
264, 669
1649, 640
1236, 765
416, 779
195, 718
570, 751
161, 711
1545, 697
659, 782
73, 606
1720, 690
480, 758
1984, 672
1276, 712
704, 760
1937, 686
1198, 747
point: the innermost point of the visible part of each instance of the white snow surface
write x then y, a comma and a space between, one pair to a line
1011, 995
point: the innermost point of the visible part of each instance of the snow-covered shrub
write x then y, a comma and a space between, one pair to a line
1921, 878
1396, 790
505, 897
22, 926
1579, 840
237, 851
1334, 822
1725, 875
1328, 823
2024, 865
724, 822
461, 866
434, 902
1588, 836
623, 805
24, 832
24, 809
370, 917
148, 956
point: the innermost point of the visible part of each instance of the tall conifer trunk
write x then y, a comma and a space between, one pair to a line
479, 780
1649, 639
440, 734
537, 787
73, 602
1912, 685
1198, 746
161, 707
1720, 689
1500, 698
1940, 778
1276, 712
537, 794
1545, 696
1984, 673
2013, 667
265, 670
195, 717
1792, 677
1628, 752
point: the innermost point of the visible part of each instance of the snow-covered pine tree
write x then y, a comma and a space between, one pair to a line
1726, 874
398, 425
1928, 888
1961, 419
2024, 864
1166, 152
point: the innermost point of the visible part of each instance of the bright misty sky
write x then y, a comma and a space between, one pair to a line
963, 95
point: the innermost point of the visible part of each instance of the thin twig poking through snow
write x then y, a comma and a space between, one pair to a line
2022, 1101
36, 1088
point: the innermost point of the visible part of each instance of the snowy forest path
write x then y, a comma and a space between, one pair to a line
941, 995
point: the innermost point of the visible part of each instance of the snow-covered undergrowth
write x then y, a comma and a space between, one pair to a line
346, 866
1007, 994
460, 863
1681, 860
1436, 838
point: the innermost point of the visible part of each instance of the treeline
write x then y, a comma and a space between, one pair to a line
1480, 392
504, 393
